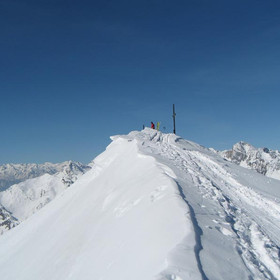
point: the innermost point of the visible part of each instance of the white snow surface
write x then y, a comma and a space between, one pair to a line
26, 198
154, 206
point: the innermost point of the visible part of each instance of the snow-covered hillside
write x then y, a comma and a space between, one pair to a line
263, 160
154, 206
20, 201
7, 220
11, 174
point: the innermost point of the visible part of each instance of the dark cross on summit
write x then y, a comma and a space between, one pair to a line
174, 115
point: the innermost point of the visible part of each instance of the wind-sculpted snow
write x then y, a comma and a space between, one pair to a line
154, 206
243, 217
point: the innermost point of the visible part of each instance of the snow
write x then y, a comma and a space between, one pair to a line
20, 201
24, 199
153, 206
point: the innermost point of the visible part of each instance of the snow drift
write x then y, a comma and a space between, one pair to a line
154, 206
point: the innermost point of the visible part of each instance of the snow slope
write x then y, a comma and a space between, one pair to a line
154, 206
263, 160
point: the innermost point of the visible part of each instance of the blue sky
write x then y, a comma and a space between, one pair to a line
73, 73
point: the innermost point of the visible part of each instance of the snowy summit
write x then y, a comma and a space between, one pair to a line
153, 206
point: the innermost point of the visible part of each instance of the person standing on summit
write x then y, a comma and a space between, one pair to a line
152, 125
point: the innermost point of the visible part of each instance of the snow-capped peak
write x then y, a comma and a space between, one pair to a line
263, 160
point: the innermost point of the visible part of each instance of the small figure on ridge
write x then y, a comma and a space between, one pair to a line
158, 124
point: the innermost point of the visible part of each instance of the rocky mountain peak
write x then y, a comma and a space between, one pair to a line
263, 160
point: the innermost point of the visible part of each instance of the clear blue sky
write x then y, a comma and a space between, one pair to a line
72, 73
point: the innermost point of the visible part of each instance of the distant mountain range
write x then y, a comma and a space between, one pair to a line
11, 174
263, 160
26, 188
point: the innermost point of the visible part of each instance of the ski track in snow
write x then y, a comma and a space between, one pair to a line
258, 252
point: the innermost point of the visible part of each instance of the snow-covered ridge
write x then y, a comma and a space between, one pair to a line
11, 174
19, 201
155, 207
263, 160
